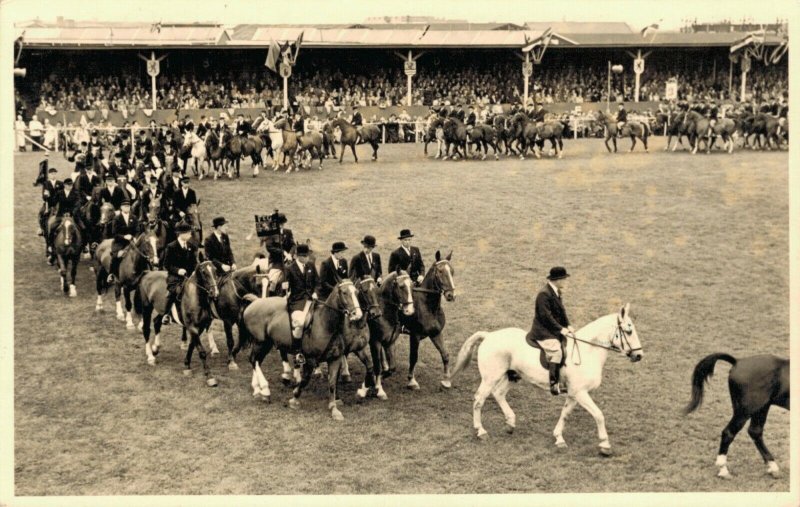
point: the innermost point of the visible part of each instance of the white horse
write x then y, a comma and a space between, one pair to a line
199, 155
586, 353
275, 139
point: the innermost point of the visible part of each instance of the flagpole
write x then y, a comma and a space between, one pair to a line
153, 81
286, 93
526, 78
730, 80
608, 97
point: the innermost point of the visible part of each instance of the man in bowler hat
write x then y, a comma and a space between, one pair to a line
407, 258
367, 262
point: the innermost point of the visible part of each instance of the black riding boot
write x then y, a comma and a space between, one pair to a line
114, 274
297, 350
167, 318
555, 370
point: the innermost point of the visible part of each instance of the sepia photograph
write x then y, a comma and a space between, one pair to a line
533, 253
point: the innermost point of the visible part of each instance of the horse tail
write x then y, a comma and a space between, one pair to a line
245, 337
702, 372
466, 352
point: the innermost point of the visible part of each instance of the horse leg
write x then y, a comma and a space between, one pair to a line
375, 146
73, 291
62, 273
499, 392
388, 366
345, 370
294, 401
100, 286
353, 149
375, 350
644, 141
413, 355
756, 432
341, 151
212, 344
117, 295
260, 384
195, 338
369, 377
126, 293
734, 426
334, 369
147, 314
569, 406
438, 342
633, 143
233, 348
481, 394
286, 375
589, 405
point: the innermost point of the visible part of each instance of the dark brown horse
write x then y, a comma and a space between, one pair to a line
348, 135
311, 143
215, 151
67, 248
428, 319
455, 135
357, 333
633, 129
674, 127
483, 136
505, 137
195, 311
755, 384
265, 322
523, 131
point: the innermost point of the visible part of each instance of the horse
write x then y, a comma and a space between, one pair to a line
504, 134
67, 248
195, 311
632, 128
197, 148
192, 217
140, 255
674, 126
252, 146
265, 322
347, 135
697, 127
428, 319
455, 134
505, 355
762, 124
755, 384
311, 142
483, 136
287, 146
328, 141
434, 132
524, 132
214, 149
725, 128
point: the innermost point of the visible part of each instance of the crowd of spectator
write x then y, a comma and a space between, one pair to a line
479, 82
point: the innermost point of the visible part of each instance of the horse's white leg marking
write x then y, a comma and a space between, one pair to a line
157, 342
588, 403
362, 391
569, 406
772, 469
287, 371
212, 345
120, 311
254, 382
151, 359
722, 463
499, 393
480, 398
263, 385
379, 392
99, 304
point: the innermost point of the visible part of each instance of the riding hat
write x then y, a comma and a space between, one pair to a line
182, 227
52, 170
557, 273
218, 221
368, 241
153, 179
118, 154
405, 234
185, 179
303, 249
68, 181
109, 177
94, 132
338, 246
125, 202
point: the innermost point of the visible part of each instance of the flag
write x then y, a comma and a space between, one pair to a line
751, 38
649, 30
297, 44
542, 40
273, 55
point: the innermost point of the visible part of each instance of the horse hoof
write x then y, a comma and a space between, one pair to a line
151, 361
605, 452
99, 309
187, 373
233, 366
413, 385
140, 326
266, 398
130, 326
336, 414
387, 373
184, 345
446, 384
215, 352
724, 474
120, 317
561, 445
293, 403
73, 292
287, 382
382, 396
212, 382
509, 429
482, 435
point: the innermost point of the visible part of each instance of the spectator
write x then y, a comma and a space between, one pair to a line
35, 127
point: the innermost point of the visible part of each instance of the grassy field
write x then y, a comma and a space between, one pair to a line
697, 244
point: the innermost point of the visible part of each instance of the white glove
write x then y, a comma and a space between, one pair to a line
182, 272
565, 331
419, 279
287, 256
182, 214
285, 286
47, 193
233, 267
128, 237
379, 280
314, 296
226, 268
116, 213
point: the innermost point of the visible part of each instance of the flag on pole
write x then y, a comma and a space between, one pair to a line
273, 55
649, 30
757, 37
541, 40
297, 44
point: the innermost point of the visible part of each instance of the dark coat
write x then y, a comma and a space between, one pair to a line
359, 266
328, 274
119, 228
538, 116
287, 241
301, 284
68, 204
181, 202
176, 257
219, 253
357, 119
115, 198
471, 119
550, 316
412, 264
86, 183
622, 115
50, 192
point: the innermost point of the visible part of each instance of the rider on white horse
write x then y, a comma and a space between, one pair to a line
550, 323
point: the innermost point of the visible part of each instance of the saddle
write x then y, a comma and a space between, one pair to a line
542, 356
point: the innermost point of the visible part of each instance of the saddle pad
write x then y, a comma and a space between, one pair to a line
542, 356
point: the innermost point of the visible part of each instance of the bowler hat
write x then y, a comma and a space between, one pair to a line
125, 202
557, 273
338, 246
405, 233
68, 181
218, 221
52, 170
303, 249
185, 179
109, 177
182, 227
368, 241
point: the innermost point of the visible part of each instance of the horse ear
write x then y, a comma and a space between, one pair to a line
438, 256
450, 255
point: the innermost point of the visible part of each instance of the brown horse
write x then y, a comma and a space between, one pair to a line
755, 384
455, 134
265, 322
311, 142
523, 131
287, 146
195, 311
725, 129
632, 128
357, 333
348, 135
67, 248
434, 133
215, 151
697, 127
483, 136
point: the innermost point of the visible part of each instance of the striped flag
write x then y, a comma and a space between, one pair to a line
649, 30
751, 38
542, 40
273, 55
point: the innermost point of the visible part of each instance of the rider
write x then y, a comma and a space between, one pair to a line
124, 227
622, 118
713, 115
67, 203
151, 194
471, 120
112, 194
550, 323
285, 236
333, 269
299, 125
539, 113
407, 258
367, 262
180, 260
183, 198
49, 191
302, 281
217, 247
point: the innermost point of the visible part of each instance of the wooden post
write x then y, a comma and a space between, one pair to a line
526, 78
286, 93
608, 98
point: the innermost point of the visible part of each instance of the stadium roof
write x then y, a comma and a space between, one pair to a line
575, 27
118, 36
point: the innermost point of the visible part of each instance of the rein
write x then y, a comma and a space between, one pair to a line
618, 333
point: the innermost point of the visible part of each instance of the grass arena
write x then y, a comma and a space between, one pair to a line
697, 244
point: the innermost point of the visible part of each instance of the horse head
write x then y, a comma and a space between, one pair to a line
443, 273
70, 231
347, 299
106, 213
206, 275
625, 338
398, 286
147, 244
368, 293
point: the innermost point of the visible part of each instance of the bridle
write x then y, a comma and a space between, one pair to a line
438, 287
401, 304
339, 288
365, 290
